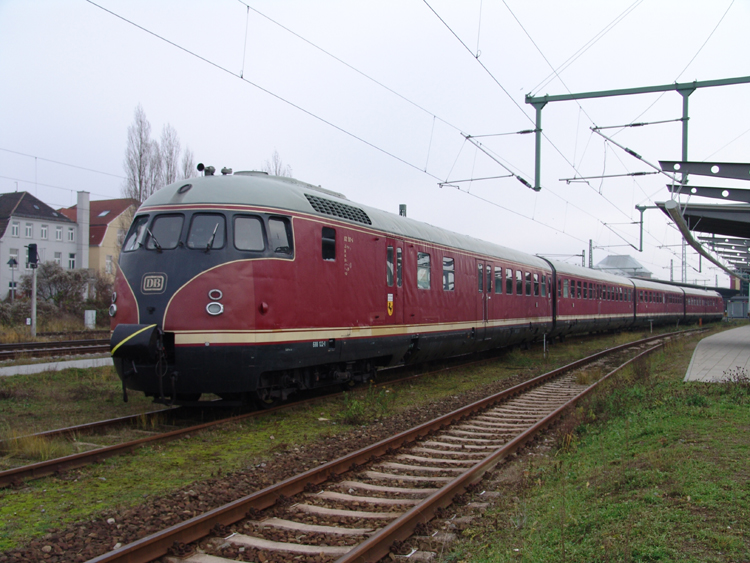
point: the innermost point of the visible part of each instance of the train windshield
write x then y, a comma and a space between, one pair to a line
280, 235
135, 237
165, 232
206, 231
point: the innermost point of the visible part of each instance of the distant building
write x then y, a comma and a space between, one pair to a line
109, 220
623, 266
25, 219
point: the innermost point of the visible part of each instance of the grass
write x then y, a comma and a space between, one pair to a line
52, 400
649, 469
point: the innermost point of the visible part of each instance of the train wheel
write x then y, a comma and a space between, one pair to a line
266, 399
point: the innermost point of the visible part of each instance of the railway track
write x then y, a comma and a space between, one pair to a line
57, 348
17, 475
358, 507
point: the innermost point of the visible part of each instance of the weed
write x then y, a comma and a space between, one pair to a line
32, 447
588, 376
373, 404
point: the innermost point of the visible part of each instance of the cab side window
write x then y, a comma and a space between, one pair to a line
280, 235
329, 244
249, 233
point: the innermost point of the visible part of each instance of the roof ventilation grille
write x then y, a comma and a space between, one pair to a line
328, 207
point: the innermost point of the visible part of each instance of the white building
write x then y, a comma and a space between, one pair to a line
24, 219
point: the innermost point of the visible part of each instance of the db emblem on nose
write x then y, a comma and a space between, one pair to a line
154, 283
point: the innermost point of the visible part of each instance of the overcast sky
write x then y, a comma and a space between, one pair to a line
384, 123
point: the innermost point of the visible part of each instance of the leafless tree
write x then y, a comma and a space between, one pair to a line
150, 165
276, 167
169, 152
140, 158
188, 164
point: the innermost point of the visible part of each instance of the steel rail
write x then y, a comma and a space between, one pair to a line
378, 545
156, 545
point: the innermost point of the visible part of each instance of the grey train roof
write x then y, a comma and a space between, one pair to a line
283, 193
254, 188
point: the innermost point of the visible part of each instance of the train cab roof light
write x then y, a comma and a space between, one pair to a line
207, 170
226, 171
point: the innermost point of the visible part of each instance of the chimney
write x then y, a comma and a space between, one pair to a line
82, 218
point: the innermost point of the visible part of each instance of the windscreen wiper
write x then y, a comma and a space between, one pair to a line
156, 242
213, 236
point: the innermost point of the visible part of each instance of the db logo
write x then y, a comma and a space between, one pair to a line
154, 283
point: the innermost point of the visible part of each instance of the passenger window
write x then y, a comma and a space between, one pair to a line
489, 278
389, 266
399, 277
165, 232
423, 270
565, 288
498, 279
329, 243
134, 239
519, 282
480, 277
206, 231
559, 288
536, 285
544, 286
528, 283
508, 281
280, 235
579, 289
449, 274
248, 234
585, 290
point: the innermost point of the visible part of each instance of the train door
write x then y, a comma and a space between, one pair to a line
394, 280
484, 285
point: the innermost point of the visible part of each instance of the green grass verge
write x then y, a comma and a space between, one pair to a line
650, 469
86, 395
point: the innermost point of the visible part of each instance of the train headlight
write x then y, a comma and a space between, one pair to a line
112, 310
215, 295
214, 308
114, 297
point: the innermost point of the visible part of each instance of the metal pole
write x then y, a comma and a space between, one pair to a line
641, 209
538, 133
33, 303
591, 253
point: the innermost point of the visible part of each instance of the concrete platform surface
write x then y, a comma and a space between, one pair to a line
55, 366
717, 354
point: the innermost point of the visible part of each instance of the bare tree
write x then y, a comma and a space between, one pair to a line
169, 153
139, 158
188, 164
276, 167
150, 165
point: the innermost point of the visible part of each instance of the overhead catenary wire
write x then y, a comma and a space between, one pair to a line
63, 163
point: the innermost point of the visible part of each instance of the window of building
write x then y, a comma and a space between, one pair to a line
399, 269
15, 229
509, 281
423, 270
329, 244
449, 274
528, 283
536, 285
206, 231
71, 234
108, 264
498, 279
519, 282
165, 232
14, 256
58, 233
280, 235
29, 232
44, 233
248, 233
72, 261
58, 258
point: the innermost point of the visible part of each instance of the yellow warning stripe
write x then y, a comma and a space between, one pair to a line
112, 353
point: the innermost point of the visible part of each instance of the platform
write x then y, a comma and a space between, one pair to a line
717, 354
